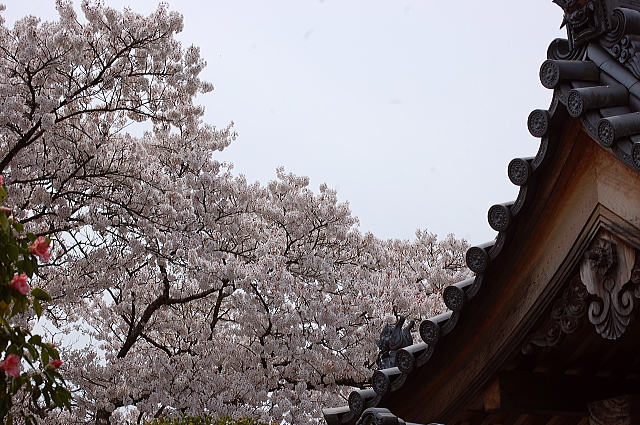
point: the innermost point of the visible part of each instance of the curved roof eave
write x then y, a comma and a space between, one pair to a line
591, 84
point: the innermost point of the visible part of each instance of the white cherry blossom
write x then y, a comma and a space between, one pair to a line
198, 290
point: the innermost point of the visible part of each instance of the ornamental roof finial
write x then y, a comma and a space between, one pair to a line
586, 20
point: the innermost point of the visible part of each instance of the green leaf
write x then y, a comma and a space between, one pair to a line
37, 307
18, 226
5, 405
13, 251
53, 353
26, 266
35, 394
32, 350
65, 396
3, 309
17, 307
15, 385
56, 398
40, 294
45, 358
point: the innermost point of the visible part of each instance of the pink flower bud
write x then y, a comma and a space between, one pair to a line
56, 363
1, 180
19, 283
5, 210
11, 365
40, 248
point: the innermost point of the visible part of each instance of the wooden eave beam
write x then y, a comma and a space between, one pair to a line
552, 394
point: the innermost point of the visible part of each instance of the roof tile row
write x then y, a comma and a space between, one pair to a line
595, 83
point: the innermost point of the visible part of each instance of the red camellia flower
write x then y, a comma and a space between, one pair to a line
11, 365
56, 363
19, 283
40, 248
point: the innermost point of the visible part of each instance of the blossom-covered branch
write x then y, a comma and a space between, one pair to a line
198, 290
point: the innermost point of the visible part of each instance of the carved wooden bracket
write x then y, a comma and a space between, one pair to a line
621, 410
605, 270
606, 289
566, 317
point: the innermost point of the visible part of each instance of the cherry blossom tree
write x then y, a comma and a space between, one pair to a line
198, 291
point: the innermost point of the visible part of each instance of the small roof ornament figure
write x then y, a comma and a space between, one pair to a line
586, 19
392, 339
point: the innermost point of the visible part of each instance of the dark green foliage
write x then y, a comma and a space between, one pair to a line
38, 377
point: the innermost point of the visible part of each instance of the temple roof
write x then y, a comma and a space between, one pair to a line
595, 78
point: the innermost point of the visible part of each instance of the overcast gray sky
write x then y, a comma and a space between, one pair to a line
411, 110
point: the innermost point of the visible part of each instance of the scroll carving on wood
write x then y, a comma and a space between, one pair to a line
618, 410
606, 271
566, 317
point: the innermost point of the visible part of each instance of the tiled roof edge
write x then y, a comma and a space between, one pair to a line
575, 76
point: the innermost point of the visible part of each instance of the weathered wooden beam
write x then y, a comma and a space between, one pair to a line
552, 394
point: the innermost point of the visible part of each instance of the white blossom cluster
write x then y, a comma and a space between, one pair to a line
200, 292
